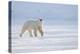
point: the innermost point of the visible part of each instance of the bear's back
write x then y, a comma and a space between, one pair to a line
32, 24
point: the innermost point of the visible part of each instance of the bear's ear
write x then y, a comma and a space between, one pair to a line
40, 19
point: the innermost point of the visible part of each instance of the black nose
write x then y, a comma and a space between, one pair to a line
40, 19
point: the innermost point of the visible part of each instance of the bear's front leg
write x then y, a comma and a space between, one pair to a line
40, 30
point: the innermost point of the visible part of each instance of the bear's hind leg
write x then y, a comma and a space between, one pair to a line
23, 30
30, 32
35, 32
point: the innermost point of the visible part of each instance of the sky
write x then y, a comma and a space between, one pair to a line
52, 14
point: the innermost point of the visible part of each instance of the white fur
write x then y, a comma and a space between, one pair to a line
32, 25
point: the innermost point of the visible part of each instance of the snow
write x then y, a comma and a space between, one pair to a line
52, 40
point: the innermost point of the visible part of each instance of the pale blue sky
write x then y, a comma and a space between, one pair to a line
52, 14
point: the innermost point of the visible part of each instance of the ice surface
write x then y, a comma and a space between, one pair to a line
55, 39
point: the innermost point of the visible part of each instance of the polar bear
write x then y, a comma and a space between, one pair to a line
32, 25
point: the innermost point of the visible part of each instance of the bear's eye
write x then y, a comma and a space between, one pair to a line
40, 19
